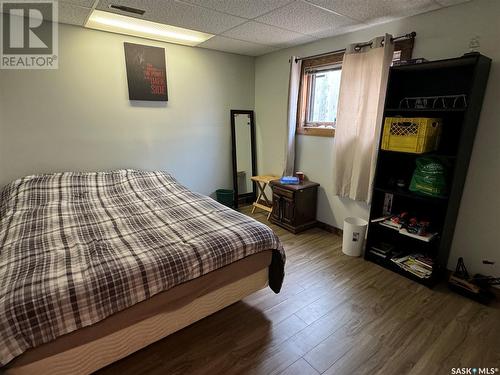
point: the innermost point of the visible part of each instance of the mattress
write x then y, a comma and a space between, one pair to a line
76, 248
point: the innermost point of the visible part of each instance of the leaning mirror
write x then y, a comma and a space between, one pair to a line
243, 134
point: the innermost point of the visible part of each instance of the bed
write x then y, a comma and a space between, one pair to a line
95, 266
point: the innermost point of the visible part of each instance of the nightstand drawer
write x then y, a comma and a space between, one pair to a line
283, 192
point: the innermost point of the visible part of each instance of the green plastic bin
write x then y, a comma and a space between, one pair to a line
225, 196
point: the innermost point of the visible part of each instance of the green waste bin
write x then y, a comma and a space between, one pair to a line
225, 196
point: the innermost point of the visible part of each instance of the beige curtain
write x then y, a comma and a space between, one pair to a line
293, 97
359, 120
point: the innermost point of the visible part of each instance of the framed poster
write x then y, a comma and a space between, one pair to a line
146, 72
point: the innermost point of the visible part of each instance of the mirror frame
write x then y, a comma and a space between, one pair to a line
247, 197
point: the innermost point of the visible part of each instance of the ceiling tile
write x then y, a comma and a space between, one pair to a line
304, 18
339, 31
72, 14
264, 34
241, 8
373, 10
178, 14
236, 46
303, 39
81, 3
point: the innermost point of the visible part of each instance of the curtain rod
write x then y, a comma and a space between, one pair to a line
411, 35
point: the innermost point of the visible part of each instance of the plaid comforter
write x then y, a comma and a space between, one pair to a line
77, 247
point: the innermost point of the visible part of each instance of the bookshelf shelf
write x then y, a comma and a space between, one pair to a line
428, 154
466, 75
410, 195
424, 110
387, 263
381, 226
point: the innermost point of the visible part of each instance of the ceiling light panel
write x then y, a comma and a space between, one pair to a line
116, 23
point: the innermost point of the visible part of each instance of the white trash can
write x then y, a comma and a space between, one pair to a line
354, 236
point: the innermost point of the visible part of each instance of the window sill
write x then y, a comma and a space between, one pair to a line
318, 132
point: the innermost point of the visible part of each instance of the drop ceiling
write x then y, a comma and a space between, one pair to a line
257, 27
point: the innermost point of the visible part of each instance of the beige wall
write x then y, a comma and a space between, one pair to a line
79, 117
440, 34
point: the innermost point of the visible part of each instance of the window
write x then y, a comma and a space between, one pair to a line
320, 87
323, 96
319, 94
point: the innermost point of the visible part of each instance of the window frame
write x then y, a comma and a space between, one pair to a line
303, 126
405, 46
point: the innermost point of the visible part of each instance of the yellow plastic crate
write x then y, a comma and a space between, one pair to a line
411, 134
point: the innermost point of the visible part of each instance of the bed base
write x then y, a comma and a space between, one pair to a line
92, 356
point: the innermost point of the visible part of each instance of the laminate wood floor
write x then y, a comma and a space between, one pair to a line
334, 315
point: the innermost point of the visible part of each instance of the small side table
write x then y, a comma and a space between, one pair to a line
294, 205
262, 182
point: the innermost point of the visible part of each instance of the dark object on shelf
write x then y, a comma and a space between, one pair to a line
461, 78
434, 102
412, 227
415, 226
476, 288
424, 260
387, 207
401, 183
400, 219
418, 60
294, 206
429, 178
383, 249
392, 221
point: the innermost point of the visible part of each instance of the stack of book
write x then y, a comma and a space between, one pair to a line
387, 222
416, 264
383, 250
422, 237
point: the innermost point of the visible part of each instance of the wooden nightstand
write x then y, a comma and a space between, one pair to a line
294, 206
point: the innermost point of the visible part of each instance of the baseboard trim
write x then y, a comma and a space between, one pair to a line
329, 228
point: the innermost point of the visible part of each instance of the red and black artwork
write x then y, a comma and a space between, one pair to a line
146, 72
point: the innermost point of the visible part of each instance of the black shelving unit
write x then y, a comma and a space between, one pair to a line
464, 75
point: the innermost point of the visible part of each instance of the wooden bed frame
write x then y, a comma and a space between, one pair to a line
91, 356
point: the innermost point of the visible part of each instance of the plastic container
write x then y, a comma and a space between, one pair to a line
225, 196
411, 134
354, 236
289, 180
